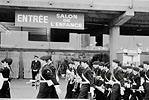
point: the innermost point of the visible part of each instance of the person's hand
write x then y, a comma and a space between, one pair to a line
122, 90
92, 92
49, 82
141, 88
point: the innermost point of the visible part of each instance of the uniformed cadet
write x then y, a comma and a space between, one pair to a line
99, 80
136, 83
70, 76
146, 83
118, 80
78, 74
5, 75
87, 80
49, 88
108, 87
124, 71
128, 81
96, 68
142, 76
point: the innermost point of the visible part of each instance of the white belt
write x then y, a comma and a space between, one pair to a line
147, 81
35, 70
5, 79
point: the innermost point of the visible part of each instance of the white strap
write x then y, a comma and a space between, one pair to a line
42, 77
146, 77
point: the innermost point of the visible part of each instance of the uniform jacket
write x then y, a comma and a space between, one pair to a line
48, 73
89, 75
118, 75
136, 79
36, 65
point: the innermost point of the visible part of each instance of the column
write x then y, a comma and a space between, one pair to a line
49, 36
114, 43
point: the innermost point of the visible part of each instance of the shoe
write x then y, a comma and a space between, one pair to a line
33, 84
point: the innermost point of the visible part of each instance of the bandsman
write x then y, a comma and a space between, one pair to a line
136, 83
146, 83
49, 88
117, 88
99, 80
70, 77
78, 73
128, 81
87, 80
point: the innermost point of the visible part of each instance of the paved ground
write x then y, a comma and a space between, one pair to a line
19, 89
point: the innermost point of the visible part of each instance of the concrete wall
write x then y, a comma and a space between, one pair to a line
129, 41
17, 39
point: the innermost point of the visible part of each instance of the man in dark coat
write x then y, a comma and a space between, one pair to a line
48, 74
35, 67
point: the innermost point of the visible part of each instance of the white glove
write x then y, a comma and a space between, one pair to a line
58, 90
141, 88
122, 90
127, 85
92, 92
142, 81
49, 82
100, 88
57, 78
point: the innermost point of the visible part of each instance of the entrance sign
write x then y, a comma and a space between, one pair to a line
49, 19
31, 19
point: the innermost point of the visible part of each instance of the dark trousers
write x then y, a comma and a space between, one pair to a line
69, 93
34, 74
45, 94
136, 96
115, 95
99, 95
5, 91
127, 93
85, 88
107, 93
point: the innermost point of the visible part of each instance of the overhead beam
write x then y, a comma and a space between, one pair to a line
111, 5
123, 18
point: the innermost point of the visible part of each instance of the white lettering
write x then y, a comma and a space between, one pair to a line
68, 25
66, 20
24, 18
67, 16
58, 16
52, 24
41, 19
30, 17
19, 18
35, 19
45, 19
